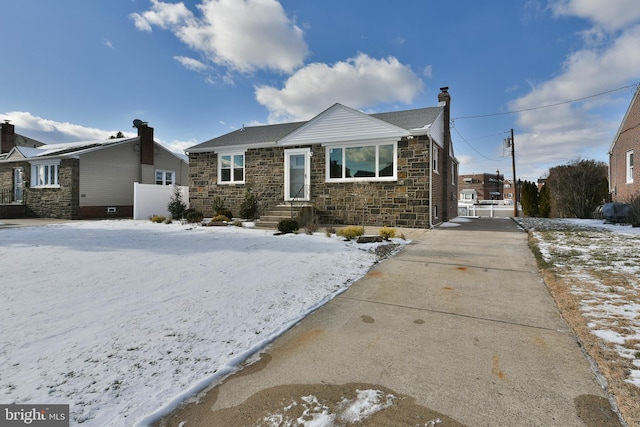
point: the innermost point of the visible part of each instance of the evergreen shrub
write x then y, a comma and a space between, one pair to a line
288, 225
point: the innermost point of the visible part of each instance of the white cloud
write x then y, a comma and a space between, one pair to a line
177, 147
50, 131
610, 14
357, 82
191, 64
107, 43
243, 35
163, 15
609, 59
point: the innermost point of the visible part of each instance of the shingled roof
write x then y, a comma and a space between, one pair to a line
258, 136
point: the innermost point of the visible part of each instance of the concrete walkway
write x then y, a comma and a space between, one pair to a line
459, 324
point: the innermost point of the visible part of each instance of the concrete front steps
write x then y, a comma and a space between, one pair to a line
270, 219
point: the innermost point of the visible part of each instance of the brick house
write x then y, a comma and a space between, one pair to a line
510, 190
81, 180
395, 169
624, 179
481, 186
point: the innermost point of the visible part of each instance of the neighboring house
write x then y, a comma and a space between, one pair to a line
395, 169
624, 177
82, 180
541, 182
509, 190
475, 188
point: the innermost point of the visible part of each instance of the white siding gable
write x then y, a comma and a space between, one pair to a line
436, 130
341, 124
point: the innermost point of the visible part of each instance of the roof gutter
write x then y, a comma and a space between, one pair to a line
425, 130
227, 148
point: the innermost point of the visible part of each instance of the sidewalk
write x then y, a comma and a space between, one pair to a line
457, 328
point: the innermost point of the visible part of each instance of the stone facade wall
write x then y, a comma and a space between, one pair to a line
62, 202
264, 178
6, 176
401, 203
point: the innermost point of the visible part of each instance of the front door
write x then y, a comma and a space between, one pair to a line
18, 182
297, 171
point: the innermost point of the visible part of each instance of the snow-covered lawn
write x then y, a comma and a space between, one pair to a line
601, 264
123, 319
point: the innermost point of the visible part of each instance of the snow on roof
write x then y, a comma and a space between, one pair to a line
68, 148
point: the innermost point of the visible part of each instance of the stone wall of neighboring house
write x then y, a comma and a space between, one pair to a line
62, 202
404, 203
6, 175
9, 209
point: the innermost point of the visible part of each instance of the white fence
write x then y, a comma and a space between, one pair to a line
149, 199
487, 211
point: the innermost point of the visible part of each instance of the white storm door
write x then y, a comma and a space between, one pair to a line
18, 184
297, 174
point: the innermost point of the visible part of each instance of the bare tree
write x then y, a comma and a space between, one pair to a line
577, 187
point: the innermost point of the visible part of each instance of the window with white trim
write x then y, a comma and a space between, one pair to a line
629, 167
436, 154
231, 168
165, 177
454, 173
371, 162
45, 174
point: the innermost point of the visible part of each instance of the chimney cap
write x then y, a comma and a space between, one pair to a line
444, 89
7, 121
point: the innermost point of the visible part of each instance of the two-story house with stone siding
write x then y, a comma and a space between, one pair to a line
81, 180
396, 168
624, 177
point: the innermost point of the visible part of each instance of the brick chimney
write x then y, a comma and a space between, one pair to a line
444, 100
145, 133
7, 136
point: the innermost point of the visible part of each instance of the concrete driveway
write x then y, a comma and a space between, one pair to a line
458, 328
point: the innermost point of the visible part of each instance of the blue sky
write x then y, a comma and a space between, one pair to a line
76, 70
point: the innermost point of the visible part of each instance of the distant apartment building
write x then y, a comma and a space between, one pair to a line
480, 187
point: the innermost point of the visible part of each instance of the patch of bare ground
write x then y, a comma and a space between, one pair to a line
577, 294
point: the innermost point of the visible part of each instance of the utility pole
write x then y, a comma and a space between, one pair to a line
510, 142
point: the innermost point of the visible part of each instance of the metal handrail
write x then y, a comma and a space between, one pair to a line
7, 196
294, 199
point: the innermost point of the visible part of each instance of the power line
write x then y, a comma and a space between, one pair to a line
547, 106
473, 148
